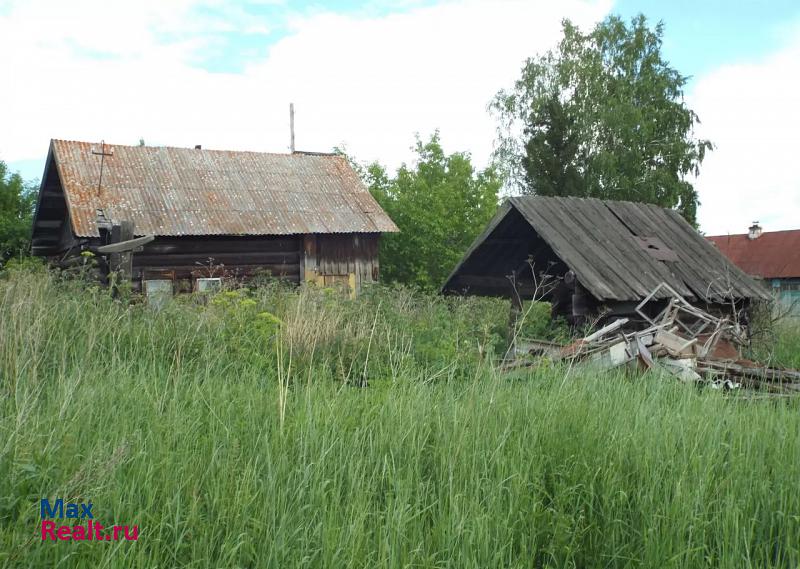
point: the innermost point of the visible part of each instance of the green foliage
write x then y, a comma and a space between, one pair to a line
440, 205
161, 421
536, 322
17, 201
602, 116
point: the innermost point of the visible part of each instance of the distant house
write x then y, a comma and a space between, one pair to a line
773, 256
214, 213
601, 257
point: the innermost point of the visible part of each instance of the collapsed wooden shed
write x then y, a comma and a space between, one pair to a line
213, 213
590, 257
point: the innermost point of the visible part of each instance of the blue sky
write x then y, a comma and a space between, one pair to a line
701, 35
369, 75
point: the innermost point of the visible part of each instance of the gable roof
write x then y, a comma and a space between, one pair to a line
620, 251
774, 254
186, 191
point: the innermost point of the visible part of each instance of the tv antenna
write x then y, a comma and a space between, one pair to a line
291, 127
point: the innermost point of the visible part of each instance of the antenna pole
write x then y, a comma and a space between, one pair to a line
291, 126
102, 155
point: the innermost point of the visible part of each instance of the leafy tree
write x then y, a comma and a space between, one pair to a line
602, 115
440, 205
17, 200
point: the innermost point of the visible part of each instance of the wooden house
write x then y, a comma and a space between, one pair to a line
773, 256
591, 257
212, 214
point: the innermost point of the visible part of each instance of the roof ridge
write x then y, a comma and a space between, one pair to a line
724, 235
167, 147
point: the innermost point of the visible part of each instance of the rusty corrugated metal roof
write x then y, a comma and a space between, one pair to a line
187, 191
774, 254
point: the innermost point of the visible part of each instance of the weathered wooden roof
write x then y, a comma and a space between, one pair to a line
187, 191
620, 251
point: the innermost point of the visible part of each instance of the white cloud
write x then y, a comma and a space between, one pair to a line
367, 82
751, 112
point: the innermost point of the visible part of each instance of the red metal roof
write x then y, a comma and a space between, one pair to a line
774, 254
187, 191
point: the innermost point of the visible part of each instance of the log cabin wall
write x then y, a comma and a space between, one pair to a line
52, 231
187, 258
349, 259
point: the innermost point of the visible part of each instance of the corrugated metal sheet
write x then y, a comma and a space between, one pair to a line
775, 254
185, 191
601, 241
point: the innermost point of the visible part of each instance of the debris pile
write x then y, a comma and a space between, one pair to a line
682, 340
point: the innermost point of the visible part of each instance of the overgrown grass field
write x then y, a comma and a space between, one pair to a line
285, 428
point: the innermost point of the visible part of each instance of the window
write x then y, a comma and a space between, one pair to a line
158, 292
208, 285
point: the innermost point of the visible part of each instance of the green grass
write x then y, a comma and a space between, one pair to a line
234, 441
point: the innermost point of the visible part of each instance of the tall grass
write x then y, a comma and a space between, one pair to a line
234, 434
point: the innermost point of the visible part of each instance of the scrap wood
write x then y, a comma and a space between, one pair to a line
644, 354
682, 340
716, 348
612, 356
746, 368
683, 369
605, 330
675, 345
540, 347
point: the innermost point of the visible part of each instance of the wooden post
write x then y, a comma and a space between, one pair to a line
309, 265
513, 316
120, 264
580, 307
357, 266
291, 126
126, 258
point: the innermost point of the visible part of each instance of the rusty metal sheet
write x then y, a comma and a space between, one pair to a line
774, 254
187, 191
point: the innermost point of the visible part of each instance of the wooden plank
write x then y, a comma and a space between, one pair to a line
126, 257
697, 275
310, 267
251, 258
48, 223
606, 329
215, 245
643, 269
697, 266
502, 211
603, 233
642, 225
125, 246
221, 271
566, 249
590, 233
188, 274
743, 283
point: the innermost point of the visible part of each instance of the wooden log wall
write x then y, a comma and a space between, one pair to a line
350, 258
187, 258
52, 233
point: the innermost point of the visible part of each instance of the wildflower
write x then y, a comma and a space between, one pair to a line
269, 318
